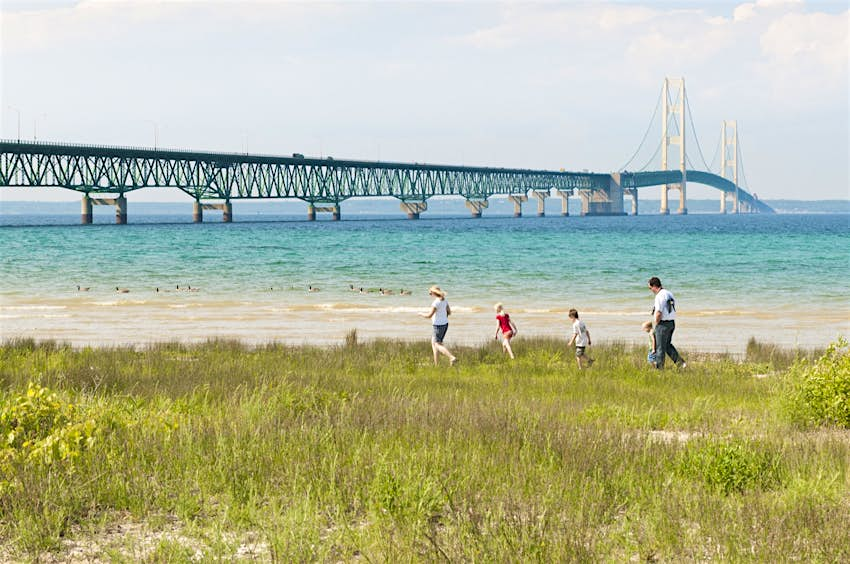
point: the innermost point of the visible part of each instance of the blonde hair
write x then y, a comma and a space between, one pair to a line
437, 292
498, 306
646, 325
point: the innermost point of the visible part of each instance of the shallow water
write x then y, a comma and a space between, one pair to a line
780, 278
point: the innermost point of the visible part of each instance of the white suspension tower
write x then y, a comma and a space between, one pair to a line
673, 108
729, 161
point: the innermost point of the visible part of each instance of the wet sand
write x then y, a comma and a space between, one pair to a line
108, 319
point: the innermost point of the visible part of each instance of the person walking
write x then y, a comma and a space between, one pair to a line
664, 312
581, 338
439, 314
507, 327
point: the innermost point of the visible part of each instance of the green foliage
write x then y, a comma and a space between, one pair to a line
39, 427
368, 452
732, 466
819, 392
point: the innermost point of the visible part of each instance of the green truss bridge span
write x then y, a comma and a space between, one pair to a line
105, 174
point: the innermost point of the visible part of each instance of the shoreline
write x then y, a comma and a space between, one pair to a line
99, 321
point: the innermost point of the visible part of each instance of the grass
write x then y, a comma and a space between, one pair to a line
367, 452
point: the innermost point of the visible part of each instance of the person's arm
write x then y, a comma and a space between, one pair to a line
448, 309
588, 337
498, 326
652, 339
430, 314
513, 326
572, 340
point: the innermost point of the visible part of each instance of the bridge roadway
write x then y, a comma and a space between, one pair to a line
323, 183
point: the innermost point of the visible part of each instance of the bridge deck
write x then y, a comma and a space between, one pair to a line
230, 176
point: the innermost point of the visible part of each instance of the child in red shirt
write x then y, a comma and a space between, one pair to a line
507, 327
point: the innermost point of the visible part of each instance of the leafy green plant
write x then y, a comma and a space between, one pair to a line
732, 466
819, 392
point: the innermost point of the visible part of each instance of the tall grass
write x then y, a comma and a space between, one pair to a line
367, 451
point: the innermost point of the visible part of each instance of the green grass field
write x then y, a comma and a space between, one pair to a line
367, 452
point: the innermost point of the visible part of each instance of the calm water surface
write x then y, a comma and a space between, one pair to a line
781, 278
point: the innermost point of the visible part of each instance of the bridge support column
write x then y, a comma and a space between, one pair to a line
722, 202
683, 199
86, 211
413, 209
197, 212
634, 194
565, 201
665, 209
121, 210
517, 200
120, 204
476, 207
225, 207
603, 201
541, 201
332, 208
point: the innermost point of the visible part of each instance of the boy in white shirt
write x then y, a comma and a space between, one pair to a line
581, 338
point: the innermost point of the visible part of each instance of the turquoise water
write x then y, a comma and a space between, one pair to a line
783, 278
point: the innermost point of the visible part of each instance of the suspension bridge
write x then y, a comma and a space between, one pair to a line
105, 174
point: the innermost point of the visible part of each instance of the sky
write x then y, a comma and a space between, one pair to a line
549, 85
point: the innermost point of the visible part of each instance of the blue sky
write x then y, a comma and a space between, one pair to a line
540, 85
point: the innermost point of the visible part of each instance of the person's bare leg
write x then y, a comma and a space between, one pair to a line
440, 347
506, 343
434, 346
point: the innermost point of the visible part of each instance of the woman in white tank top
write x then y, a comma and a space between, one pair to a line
439, 313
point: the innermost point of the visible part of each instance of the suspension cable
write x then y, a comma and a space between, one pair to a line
694, 129
716, 153
740, 157
652, 158
648, 128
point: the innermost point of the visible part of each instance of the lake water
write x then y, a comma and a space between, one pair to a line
780, 278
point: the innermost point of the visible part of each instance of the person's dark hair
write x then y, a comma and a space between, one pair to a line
655, 282
574, 314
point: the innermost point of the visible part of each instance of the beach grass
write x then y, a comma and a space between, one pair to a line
365, 451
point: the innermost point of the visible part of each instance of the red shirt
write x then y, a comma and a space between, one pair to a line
504, 322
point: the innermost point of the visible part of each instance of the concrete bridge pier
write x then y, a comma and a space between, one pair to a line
722, 202
665, 209
333, 209
634, 194
605, 201
565, 201
120, 204
86, 211
413, 209
541, 196
476, 207
121, 210
683, 200
225, 207
517, 200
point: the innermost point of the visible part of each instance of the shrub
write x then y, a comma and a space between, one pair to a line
819, 392
732, 466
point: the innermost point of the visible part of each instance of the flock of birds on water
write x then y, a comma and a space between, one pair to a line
310, 288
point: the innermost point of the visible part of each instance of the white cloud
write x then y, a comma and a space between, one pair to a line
532, 80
